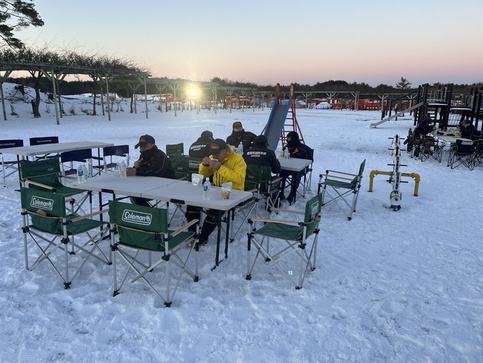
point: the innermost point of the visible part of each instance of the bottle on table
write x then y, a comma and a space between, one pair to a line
207, 189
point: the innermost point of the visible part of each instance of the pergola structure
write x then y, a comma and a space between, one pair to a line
57, 73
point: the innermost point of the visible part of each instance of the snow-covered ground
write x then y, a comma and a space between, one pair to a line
398, 286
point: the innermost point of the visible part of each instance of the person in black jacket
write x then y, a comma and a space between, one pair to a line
151, 162
259, 154
201, 147
468, 130
424, 128
296, 150
239, 135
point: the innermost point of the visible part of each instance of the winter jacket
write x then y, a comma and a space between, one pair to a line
300, 151
232, 169
247, 138
469, 132
200, 148
155, 162
260, 155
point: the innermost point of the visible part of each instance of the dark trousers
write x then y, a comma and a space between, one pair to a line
209, 225
296, 177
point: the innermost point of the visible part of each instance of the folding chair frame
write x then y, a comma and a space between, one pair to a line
463, 153
294, 233
51, 228
337, 185
136, 243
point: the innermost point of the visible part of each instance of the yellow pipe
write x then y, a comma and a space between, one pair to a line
415, 176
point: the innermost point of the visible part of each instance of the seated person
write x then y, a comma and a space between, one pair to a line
260, 154
223, 166
296, 150
239, 135
425, 127
468, 130
201, 147
151, 162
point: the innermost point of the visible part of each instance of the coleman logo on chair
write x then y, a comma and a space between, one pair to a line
135, 217
41, 203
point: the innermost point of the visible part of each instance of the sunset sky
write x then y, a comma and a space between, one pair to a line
268, 42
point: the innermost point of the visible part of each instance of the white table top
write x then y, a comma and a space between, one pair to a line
193, 195
452, 139
133, 186
294, 164
152, 187
53, 148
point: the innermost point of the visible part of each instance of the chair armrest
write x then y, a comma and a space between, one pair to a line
288, 211
183, 227
339, 172
274, 180
84, 216
332, 176
280, 221
45, 186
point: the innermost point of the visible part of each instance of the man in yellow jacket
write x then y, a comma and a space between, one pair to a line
223, 166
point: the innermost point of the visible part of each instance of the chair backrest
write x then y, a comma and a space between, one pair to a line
175, 149
139, 226
5, 144
312, 208
45, 171
48, 209
76, 155
361, 168
116, 150
193, 165
257, 177
44, 140
180, 165
357, 179
42, 167
67, 159
465, 147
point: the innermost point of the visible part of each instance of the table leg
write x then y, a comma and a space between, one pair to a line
218, 238
229, 218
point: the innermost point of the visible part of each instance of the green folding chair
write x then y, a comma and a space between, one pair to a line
264, 188
180, 165
341, 188
143, 242
175, 149
287, 245
54, 230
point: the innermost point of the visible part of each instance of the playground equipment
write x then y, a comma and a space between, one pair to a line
282, 120
444, 107
395, 176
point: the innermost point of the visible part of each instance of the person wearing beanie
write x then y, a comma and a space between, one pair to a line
151, 162
222, 166
201, 147
260, 154
296, 150
239, 135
